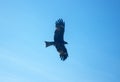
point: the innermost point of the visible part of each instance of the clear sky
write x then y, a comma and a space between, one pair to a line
92, 31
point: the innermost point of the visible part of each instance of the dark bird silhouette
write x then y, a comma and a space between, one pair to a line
59, 42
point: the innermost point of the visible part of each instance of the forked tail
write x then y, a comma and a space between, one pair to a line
48, 43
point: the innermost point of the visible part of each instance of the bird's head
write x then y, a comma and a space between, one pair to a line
65, 42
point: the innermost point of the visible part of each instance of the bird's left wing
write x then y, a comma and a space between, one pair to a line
62, 50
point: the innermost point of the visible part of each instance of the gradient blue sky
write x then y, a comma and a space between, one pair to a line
92, 31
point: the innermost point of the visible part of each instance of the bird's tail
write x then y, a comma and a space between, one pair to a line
49, 43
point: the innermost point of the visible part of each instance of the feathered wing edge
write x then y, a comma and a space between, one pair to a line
64, 56
59, 23
62, 51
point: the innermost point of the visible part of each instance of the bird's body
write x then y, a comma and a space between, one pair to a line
59, 42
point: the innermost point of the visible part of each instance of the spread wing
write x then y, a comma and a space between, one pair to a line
59, 32
62, 50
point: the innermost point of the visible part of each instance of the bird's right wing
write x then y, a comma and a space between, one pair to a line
59, 32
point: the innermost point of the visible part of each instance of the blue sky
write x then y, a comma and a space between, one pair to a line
92, 31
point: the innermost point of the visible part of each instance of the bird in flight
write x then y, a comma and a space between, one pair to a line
59, 42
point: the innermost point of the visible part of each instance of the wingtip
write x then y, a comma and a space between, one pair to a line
63, 57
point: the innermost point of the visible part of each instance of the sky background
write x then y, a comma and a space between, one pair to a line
92, 31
